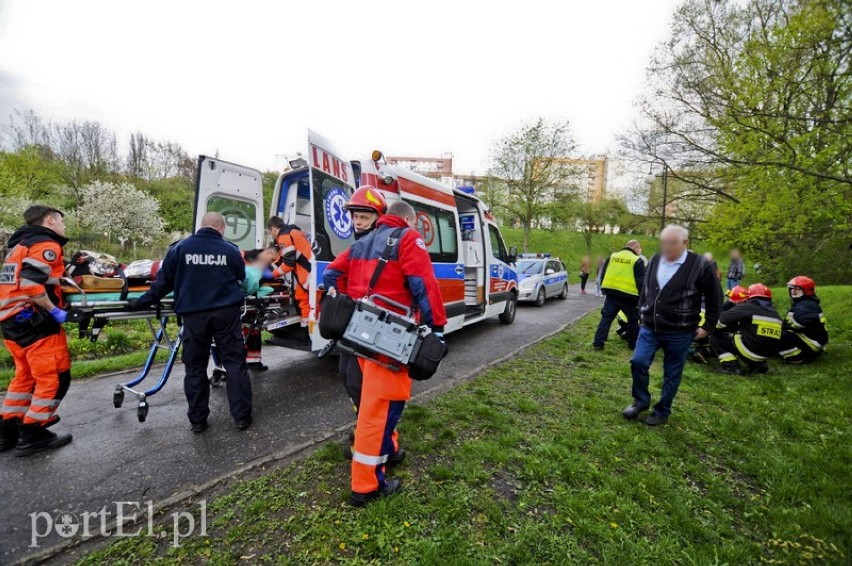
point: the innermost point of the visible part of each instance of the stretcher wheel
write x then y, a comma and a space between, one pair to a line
118, 398
217, 377
142, 411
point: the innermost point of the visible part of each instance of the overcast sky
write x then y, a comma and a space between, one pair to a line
247, 78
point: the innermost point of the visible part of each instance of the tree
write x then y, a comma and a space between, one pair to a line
594, 216
750, 109
527, 162
120, 210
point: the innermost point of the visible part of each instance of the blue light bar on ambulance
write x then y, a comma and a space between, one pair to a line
467, 189
535, 256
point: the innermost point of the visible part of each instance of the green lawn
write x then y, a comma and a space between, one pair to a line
532, 463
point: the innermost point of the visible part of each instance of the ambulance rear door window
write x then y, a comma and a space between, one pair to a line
240, 220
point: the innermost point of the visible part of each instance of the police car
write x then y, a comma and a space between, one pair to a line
541, 277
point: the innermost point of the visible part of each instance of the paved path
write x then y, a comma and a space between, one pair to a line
298, 401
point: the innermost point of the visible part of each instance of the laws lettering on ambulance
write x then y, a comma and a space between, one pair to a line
206, 259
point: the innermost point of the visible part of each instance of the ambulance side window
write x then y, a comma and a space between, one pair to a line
438, 229
497, 246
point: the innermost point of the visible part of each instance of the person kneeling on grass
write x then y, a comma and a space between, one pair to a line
750, 331
701, 350
804, 334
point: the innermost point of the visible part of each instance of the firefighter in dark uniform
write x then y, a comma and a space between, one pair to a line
365, 206
31, 318
804, 334
701, 351
206, 273
750, 331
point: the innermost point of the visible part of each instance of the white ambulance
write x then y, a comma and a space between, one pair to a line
475, 269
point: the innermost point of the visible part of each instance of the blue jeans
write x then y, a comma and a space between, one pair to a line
732, 283
675, 347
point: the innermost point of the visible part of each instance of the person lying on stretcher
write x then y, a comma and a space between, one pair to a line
258, 268
258, 264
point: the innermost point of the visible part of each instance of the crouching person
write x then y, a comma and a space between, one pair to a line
30, 301
750, 331
407, 278
804, 334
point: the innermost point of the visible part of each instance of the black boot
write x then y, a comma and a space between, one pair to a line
35, 438
361, 499
758, 367
9, 434
397, 457
731, 368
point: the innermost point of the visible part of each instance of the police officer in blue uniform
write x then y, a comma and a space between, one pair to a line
206, 272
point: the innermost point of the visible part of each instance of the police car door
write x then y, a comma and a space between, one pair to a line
237, 193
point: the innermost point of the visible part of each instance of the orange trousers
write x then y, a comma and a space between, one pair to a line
42, 377
383, 396
303, 300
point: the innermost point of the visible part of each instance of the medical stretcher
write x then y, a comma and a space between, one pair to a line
93, 311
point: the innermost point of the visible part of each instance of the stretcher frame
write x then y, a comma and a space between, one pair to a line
93, 315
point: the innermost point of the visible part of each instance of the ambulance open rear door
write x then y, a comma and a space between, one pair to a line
236, 192
332, 181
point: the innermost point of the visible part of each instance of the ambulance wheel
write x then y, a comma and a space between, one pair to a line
564, 294
217, 377
541, 297
508, 314
142, 411
118, 398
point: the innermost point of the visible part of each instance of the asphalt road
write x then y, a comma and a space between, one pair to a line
300, 400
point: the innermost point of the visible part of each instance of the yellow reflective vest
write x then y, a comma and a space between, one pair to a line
619, 274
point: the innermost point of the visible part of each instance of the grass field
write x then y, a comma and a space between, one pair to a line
532, 463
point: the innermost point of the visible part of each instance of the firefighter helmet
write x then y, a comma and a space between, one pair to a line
803, 282
759, 290
368, 198
738, 294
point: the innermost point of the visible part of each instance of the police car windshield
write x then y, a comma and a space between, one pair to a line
528, 267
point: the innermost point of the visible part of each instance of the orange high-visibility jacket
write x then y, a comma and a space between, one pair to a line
295, 254
34, 267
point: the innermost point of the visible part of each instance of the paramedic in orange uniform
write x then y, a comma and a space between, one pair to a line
31, 318
296, 254
408, 278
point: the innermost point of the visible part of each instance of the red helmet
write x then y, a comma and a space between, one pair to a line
738, 294
368, 198
805, 283
759, 290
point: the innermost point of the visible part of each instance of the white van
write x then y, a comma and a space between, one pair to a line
474, 268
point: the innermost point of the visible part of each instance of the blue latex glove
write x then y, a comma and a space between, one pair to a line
58, 314
268, 274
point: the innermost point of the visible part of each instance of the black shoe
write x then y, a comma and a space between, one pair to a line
35, 438
397, 457
758, 367
347, 451
257, 366
598, 346
243, 424
633, 411
361, 499
731, 368
655, 420
198, 428
9, 434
